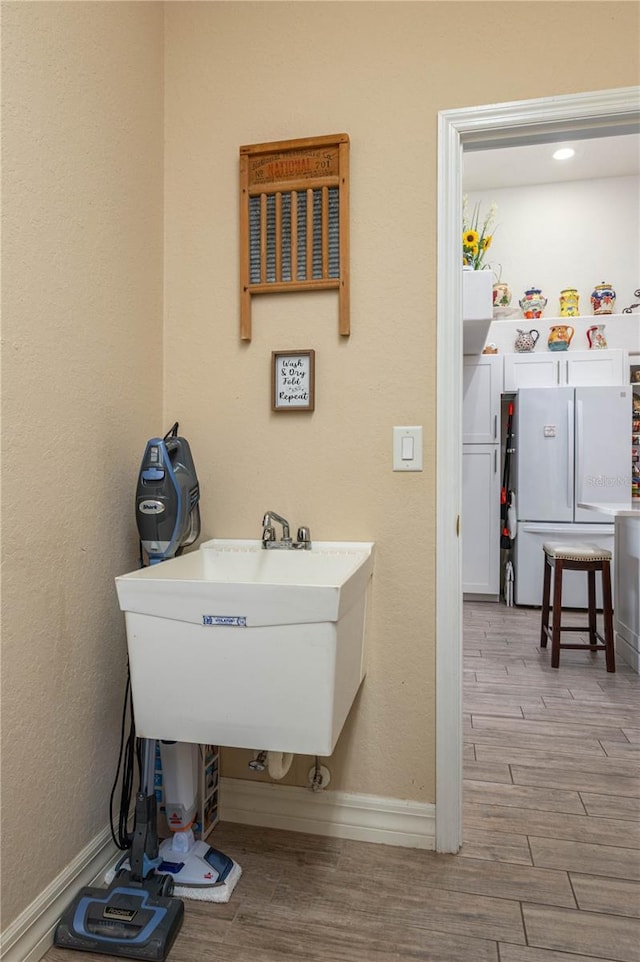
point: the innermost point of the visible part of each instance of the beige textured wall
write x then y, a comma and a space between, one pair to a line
81, 365
239, 73
82, 300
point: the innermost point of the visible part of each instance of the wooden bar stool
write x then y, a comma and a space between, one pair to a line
577, 557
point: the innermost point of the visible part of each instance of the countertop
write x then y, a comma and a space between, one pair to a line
614, 509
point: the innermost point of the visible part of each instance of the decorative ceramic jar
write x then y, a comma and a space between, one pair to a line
569, 302
603, 299
595, 336
526, 340
501, 295
560, 337
533, 302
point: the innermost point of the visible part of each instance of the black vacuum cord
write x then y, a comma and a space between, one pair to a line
128, 760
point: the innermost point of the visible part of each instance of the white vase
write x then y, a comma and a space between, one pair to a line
477, 295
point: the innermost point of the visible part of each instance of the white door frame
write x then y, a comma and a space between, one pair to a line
570, 117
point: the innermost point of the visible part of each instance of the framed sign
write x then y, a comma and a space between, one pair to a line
293, 380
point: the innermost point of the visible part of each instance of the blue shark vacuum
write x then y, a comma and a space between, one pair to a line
140, 913
167, 498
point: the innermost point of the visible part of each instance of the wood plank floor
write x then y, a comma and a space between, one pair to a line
550, 866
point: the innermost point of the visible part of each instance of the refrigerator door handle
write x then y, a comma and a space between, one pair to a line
495, 461
579, 447
570, 443
568, 529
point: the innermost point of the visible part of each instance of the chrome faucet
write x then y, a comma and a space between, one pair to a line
269, 533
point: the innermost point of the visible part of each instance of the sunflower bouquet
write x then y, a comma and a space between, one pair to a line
476, 236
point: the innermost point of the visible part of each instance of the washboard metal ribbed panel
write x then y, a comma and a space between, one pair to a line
294, 221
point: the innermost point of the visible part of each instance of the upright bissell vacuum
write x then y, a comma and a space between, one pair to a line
139, 914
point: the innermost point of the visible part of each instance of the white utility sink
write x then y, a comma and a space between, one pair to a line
246, 647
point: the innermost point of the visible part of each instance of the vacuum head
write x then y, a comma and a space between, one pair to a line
199, 872
167, 498
202, 872
127, 920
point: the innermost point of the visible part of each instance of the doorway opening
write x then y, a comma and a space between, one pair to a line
579, 116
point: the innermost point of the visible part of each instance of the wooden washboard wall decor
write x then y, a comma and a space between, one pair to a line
294, 221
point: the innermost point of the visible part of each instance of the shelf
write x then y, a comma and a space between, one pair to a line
210, 778
515, 314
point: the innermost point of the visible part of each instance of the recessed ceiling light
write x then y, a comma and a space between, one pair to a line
564, 153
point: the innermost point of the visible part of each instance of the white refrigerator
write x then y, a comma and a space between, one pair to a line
571, 445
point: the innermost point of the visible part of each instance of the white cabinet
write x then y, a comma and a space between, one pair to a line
482, 387
477, 295
485, 377
566, 368
477, 309
584, 368
530, 370
481, 519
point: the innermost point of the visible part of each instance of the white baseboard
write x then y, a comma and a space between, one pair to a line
29, 936
627, 652
364, 818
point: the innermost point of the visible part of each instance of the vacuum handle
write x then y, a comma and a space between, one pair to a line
171, 444
144, 846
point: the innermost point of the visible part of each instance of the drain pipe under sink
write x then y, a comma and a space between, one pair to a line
279, 763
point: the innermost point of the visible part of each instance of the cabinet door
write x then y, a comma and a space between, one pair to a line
482, 387
481, 519
530, 370
584, 368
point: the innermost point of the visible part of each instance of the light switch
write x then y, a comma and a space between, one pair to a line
407, 448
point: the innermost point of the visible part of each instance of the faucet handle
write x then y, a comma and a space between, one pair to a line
268, 533
304, 537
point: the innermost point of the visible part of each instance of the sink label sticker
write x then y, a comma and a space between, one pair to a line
230, 621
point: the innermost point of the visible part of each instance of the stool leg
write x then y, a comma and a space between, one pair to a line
546, 592
592, 610
607, 605
557, 613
